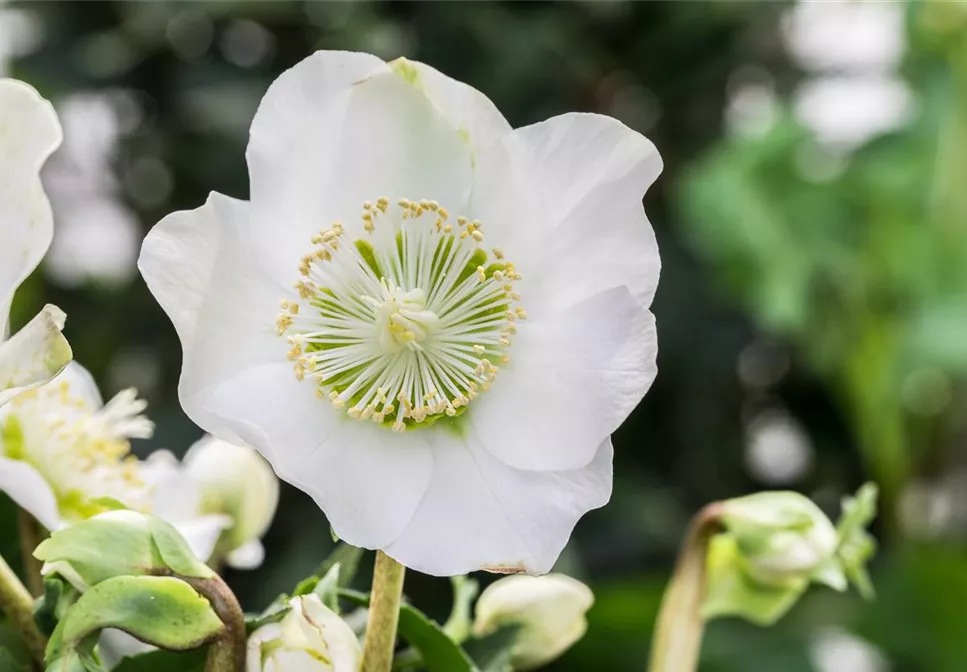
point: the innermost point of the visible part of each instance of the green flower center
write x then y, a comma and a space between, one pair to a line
407, 324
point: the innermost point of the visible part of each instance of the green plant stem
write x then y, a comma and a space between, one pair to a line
30, 537
384, 614
227, 653
677, 640
18, 605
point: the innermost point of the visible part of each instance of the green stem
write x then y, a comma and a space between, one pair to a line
18, 605
384, 614
30, 537
227, 653
677, 640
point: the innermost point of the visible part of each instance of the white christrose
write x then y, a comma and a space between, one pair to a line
310, 638
425, 319
548, 610
235, 481
62, 450
29, 133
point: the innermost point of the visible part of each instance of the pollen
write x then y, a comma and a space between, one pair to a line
400, 319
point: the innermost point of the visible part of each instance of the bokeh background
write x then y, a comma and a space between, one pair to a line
812, 218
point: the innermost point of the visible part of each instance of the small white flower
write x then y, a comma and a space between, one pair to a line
550, 611
29, 133
235, 481
310, 638
62, 449
422, 252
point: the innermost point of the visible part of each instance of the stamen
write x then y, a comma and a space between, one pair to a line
412, 313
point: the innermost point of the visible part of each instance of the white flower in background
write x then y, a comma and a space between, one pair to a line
464, 310
29, 133
238, 482
550, 611
310, 638
62, 449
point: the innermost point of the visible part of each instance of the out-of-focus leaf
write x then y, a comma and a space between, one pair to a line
164, 661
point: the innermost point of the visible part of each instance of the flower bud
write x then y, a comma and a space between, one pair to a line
775, 544
310, 638
550, 611
118, 543
236, 481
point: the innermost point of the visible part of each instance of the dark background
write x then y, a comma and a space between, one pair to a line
812, 312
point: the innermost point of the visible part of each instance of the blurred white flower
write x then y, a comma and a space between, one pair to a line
21, 33
29, 133
235, 481
835, 650
844, 112
778, 450
310, 638
400, 312
846, 34
550, 611
62, 450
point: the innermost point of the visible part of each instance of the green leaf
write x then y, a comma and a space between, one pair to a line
274, 613
327, 588
10, 663
347, 557
175, 552
162, 611
47, 607
440, 653
164, 661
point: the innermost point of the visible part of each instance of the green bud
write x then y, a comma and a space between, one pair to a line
550, 611
118, 543
159, 610
775, 544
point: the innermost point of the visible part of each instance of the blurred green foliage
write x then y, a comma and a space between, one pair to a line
847, 269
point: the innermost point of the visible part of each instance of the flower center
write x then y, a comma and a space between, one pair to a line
407, 324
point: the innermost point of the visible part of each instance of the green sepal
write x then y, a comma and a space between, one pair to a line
730, 591
465, 591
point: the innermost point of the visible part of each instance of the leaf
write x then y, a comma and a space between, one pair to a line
162, 611
45, 610
175, 552
164, 661
347, 557
492, 653
327, 588
274, 613
440, 653
9, 663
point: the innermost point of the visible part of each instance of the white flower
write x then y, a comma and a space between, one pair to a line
62, 449
310, 638
29, 133
404, 226
236, 481
550, 611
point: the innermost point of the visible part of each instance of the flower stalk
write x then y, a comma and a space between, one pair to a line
30, 537
17, 604
384, 614
227, 653
677, 641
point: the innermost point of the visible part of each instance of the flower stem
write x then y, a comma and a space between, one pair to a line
18, 605
677, 641
30, 538
227, 653
384, 614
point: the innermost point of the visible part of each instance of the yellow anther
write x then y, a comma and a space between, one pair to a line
461, 221
499, 253
521, 313
479, 349
499, 276
443, 213
382, 203
477, 235
367, 205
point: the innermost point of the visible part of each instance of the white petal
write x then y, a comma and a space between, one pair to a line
202, 533
29, 133
366, 479
28, 489
564, 200
199, 268
336, 130
34, 355
572, 380
466, 108
248, 556
481, 514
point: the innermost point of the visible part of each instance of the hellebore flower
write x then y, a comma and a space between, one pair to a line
464, 310
549, 611
63, 451
310, 638
235, 481
29, 133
